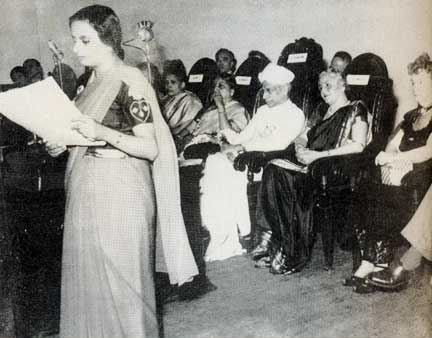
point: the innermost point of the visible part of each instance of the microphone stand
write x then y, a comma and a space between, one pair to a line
145, 35
57, 62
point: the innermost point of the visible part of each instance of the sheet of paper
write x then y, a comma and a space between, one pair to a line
43, 109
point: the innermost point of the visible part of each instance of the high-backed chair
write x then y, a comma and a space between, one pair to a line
336, 177
201, 78
339, 176
247, 81
304, 57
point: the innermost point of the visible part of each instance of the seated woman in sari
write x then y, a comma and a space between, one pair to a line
405, 166
179, 106
285, 196
220, 184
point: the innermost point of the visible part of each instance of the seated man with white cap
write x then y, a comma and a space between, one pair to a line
277, 123
224, 204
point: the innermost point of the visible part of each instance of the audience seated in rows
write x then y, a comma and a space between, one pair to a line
285, 198
406, 164
179, 106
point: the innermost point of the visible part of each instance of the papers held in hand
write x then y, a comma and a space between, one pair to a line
43, 109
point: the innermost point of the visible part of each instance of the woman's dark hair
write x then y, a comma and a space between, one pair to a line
231, 55
176, 68
422, 62
105, 22
344, 56
229, 79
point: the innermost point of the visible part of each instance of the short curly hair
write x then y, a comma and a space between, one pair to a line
422, 62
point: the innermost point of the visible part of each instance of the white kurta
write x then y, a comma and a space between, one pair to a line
224, 203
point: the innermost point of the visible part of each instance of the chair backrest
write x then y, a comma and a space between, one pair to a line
367, 79
247, 81
304, 57
201, 78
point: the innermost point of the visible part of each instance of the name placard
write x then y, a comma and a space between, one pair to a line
297, 58
196, 78
357, 80
243, 80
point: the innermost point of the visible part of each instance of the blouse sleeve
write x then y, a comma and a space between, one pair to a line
137, 110
239, 119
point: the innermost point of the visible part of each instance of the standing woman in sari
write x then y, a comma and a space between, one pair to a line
117, 195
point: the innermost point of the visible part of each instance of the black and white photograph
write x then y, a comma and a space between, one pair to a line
216, 169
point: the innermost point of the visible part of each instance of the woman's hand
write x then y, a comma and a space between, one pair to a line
385, 157
54, 149
88, 128
218, 100
307, 156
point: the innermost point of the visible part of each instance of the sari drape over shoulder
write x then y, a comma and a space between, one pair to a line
112, 206
180, 110
286, 196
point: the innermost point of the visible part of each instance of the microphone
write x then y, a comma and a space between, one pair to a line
55, 50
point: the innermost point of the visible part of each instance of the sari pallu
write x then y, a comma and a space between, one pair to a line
286, 197
180, 110
107, 272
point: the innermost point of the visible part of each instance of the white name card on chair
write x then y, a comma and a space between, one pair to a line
243, 80
357, 80
297, 58
196, 78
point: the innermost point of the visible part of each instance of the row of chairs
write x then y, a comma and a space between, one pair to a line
338, 178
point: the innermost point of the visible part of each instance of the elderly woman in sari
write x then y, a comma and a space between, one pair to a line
218, 174
225, 206
285, 196
118, 194
179, 106
405, 165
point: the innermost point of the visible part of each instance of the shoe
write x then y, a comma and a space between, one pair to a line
278, 263
395, 278
289, 270
263, 263
263, 247
364, 288
353, 281
195, 289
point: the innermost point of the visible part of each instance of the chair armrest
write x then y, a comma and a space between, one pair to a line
254, 161
351, 169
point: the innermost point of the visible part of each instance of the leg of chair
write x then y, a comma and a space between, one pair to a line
327, 235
